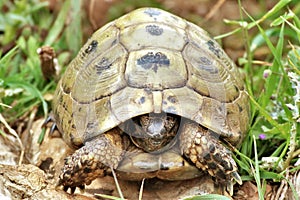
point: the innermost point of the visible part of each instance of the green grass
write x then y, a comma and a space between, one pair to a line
272, 89
273, 83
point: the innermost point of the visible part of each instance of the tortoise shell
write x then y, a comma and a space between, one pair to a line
150, 61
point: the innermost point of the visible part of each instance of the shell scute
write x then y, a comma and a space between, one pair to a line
155, 69
130, 102
101, 77
153, 35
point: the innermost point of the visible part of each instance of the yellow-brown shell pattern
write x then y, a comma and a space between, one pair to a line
150, 61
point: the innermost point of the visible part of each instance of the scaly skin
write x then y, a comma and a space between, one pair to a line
92, 160
207, 152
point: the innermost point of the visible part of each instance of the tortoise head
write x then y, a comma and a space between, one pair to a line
154, 131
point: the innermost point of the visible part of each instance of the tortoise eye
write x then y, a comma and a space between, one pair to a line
144, 120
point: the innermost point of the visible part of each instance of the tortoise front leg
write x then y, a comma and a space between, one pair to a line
207, 152
92, 160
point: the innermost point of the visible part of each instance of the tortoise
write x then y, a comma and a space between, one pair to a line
151, 86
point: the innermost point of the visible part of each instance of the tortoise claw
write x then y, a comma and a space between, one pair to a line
47, 120
237, 178
73, 188
81, 187
53, 128
229, 188
50, 122
229, 185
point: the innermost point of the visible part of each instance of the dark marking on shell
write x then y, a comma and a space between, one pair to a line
152, 12
103, 65
154, 30
240, 107
207, 65
148, 91
142, 100
67, 90
60, 100
114, 42
221, 110
205, 60
213, 48
153, 61
236, 88
209, 68
92, 46
171, 109
172, 99
90, 125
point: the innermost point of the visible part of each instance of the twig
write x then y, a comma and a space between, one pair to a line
117, 183
14, 133
141, 190
215, 9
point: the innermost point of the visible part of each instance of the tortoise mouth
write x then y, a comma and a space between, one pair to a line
153, 132
153, 145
